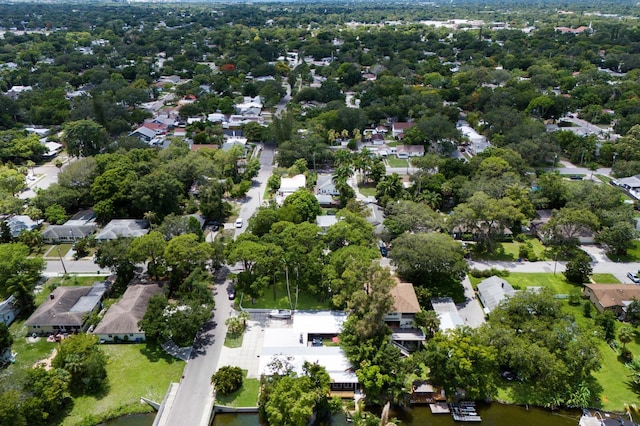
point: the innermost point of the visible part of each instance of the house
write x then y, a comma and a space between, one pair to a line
325, 221
128, 228
9, 309
70, 231
325, 185
326, 200
120, 323
143, 133
53, 149
492, 291
300, 339
447, 312
67, 309
612, 297
20, 223
401, 318
290, 185
398, 128
408, 151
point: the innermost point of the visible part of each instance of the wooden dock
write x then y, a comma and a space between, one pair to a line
465, 412
439, 408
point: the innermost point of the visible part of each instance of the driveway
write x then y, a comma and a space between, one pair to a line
470, 310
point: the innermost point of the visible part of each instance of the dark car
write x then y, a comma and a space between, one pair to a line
232, 294
384, 251
316, 341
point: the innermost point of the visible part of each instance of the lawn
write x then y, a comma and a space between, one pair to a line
246, 396
510, 251
368, 190
27, 353
134, 371
58, 251
397, 162
233, 341
633, 254
556, 283
306, 301
605, 279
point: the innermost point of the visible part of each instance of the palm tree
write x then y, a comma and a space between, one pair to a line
150, 217
342, 172
626, 334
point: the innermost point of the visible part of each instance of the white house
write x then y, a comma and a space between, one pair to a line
398, 128
408, 151
290, 185
447, 313
325, 185
8, 310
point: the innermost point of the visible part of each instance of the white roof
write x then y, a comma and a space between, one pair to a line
447, 313
631, 181
493, 290
319, 322
293, 184
332, 358
326, 221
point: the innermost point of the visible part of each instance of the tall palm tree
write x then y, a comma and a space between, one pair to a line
626, 335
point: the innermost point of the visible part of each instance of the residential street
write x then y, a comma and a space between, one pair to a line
193, 400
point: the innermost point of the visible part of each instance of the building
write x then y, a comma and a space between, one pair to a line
398, 128
290, 185
326, 221
447, 312
325, 185
301, 339
20, 223
70, 231
612, 297
9, 309
401, 319
127, 228
67, 309
120, 323
408, 151
492, 291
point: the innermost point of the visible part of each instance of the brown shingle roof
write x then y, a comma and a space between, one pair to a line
66, 306
610, 295
123, 317
404, 298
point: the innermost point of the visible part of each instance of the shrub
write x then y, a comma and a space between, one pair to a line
626, 355
227, 379
477, 273
587, 308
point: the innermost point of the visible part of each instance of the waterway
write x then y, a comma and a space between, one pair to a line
492, 415
132, 420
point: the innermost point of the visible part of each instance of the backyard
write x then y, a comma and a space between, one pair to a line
306, 301
246, 396
633, 254
554, 282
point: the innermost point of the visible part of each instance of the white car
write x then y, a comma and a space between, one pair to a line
239, 222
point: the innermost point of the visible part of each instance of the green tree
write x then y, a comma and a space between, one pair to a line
114, 254
154, 321
618, 238
84, 138
633, 312
149, 247
303, 205
607, 322
227, 379
55, 214
6, 339
11, 181
626, 334
83, 358
578, 268
19, 273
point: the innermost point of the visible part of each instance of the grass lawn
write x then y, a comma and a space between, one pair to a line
27, 353
306, 301
368, 190
58, 250
509, 251
231, 341
246, 396
397, 162
134, 371
633, 254
556, 283
605, 279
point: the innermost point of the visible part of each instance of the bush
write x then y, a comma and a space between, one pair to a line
587, 308
227, 379
626, 355
574, 297
477, 273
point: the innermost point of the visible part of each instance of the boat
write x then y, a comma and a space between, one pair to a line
599, 419
280, 313
465, 411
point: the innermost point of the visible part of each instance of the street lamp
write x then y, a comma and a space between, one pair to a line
555, 158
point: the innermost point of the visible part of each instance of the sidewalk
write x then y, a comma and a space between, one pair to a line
247, 356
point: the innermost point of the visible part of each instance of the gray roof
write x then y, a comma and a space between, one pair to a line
66, 306
326, 221
123, 228
447, 313
493, 290
55, 232
631, 181
123, 317
19, 223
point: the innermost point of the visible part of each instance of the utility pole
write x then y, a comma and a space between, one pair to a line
63, 267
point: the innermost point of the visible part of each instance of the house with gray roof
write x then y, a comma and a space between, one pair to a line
494, 290
325, 185
120, 323
128, 228
70, 231
19, 223
67, 309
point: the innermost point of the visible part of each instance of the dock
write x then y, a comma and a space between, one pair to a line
465, 412
439, 408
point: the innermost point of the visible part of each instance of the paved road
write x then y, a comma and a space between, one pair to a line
55, 268
45, 175
194, 398
282, 105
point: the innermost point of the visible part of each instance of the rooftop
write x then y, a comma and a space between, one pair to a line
123, 317
404, 298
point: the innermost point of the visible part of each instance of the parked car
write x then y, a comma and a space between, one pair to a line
633, 277
239, 222
316, 341
232, 294
280, 313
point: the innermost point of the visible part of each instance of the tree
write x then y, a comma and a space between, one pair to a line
618, 238
11, 181
607, 322
633, 312
626, 334
579, 268
227, 379
158, 192
408, 216
154, 321
115, 255
48, 393
55, 214
566, 224
19, 273
183, 254
84, 138
83, 358
6, 339
303, 205
428, 259
149, 247
460, 359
